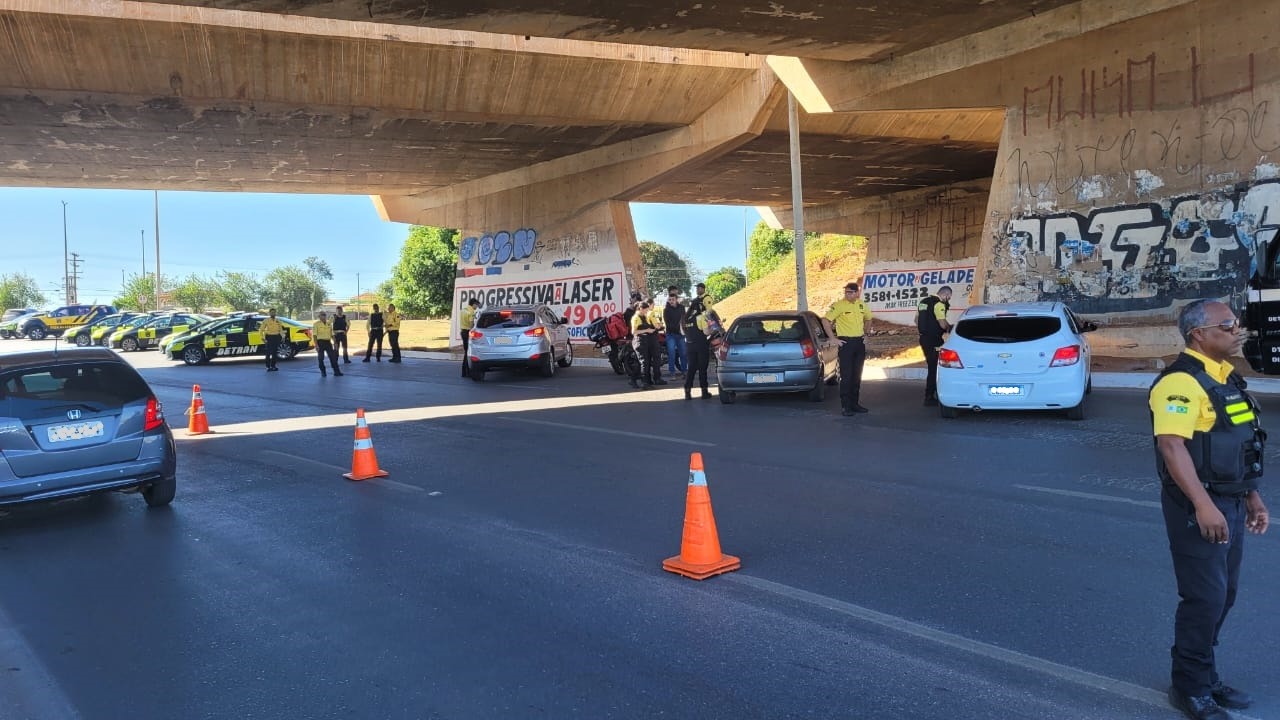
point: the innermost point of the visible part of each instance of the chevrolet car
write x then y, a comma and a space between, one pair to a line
149, 333
60, 320
11, 328
94, 332
238, 337
165, 342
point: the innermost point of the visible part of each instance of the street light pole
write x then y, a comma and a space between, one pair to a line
157, 286
66, 282
144, 253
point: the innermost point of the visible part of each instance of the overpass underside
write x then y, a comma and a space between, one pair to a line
1120, 158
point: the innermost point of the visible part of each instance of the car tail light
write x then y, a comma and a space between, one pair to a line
476, 334
536, 331
949, 358
154, 415
806, 345
535, 356
475, 359
724, 349
1069, 355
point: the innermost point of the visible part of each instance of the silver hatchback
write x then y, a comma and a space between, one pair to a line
519, 336
782, 351
80, 421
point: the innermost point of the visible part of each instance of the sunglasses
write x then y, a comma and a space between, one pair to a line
1224, 326
847, 291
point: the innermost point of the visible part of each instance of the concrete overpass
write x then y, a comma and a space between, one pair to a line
1118, 155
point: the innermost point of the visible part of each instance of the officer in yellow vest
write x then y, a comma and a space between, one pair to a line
392, 320
273, 332
466, 322
850, 316
322, 333
644, 328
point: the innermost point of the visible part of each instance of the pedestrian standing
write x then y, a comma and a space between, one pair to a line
699, 354
466, 322
850, 317
931, 321
673, 320
322, 331
272, 332
1209, 452
375, 334
392, 322
340, 327
644, 328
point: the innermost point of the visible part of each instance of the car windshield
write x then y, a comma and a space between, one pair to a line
506, 319
137, 322
768, 330
1008, 329
37, 392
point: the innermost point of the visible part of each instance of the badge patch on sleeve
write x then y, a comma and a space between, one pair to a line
1179, 399
1178, 409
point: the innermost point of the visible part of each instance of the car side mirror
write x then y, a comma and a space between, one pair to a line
564, 321
1088, 327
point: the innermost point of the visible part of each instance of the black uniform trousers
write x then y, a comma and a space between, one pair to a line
1207, 574
340, 343
273, 346
930, 347
853, 354
375, 336
466, 353
699, 359
650, 358
325, 348
393, 337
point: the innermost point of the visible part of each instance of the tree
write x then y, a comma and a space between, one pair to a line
724, 282
139, 293
196, 293
238, 291
767, 249
291, 288
422, 282
318, 269
19, 290
664, 267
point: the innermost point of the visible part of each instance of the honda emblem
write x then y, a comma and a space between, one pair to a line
73, 414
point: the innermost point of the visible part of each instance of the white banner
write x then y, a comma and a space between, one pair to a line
894, 289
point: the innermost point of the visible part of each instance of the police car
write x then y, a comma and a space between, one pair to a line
99, 330
56, 322
238, 337
149, 333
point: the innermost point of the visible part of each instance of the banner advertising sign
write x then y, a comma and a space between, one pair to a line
892, 290
582, 298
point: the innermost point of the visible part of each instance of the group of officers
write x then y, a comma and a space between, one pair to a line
687, 337
330, 336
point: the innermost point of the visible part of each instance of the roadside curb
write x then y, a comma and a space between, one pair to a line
1132, 381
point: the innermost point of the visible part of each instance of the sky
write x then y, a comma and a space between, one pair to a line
203, 232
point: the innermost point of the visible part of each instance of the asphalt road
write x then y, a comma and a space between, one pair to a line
894, 565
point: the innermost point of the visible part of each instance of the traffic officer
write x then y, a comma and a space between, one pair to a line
340, 327
850, 317
272, 332
644, 328
466, 322
1209, 450
323, 332
931, 321
375, 333
698, 348
627, 350
392, 321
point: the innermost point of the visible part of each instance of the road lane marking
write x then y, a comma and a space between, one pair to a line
586, 428
1090, 496
1066, 673
27, 688
339, 470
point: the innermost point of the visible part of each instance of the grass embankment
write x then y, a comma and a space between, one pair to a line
430, 335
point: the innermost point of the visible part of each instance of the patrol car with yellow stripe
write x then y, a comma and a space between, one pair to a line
58, 321
150, 333
238, 337
95, 332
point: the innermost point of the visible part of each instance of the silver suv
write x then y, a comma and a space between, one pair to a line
519, 336
80, 421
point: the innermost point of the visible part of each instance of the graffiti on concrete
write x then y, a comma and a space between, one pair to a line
498, 248
1137, 256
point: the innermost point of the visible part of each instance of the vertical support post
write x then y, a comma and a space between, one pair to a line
797, 203
157, 285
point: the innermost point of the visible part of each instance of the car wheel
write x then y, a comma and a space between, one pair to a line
567, 360
728, 397
37, 332
948, 412
818, 393
160, 492
193, 355
4, 335
129, 344
548, 368
286, 351
476, 373
83, 340
105, 341
1077, 412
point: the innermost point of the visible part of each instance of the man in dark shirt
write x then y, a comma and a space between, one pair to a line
673, 318
375, 333
340, 327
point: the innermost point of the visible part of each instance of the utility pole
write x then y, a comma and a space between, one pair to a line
157, 286
75, 279
144, 253
357, 296
66, 266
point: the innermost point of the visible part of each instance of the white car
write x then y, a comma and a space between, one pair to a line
519, 337
1019, 356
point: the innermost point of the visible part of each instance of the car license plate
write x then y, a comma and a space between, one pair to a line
75, 431
1005, 390
503, 341
761, 378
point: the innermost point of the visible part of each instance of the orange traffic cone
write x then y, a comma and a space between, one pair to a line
197, 421
364, 462
700, 555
